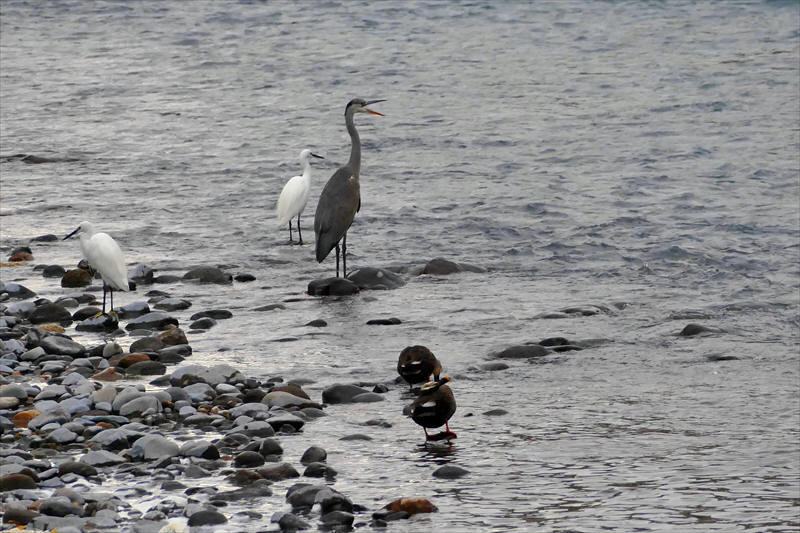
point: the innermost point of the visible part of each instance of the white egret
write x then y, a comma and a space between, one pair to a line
105, 256
341, 198
294, 196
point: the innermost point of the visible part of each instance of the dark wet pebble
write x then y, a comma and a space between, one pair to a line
384, 321
244, 278
53, 271
47, 237
320, 470
146, 368
10, 482
208, 274
523, 351
56, 344
77, 467
153, 320
341, 519
343, 393
173, 304
554, 341
696, 329
270, 447
290, 522
495, 412
313, 454
331, 500
85, 312
207, 517
203, 323
107, 322
59, 506
494, 366
371, 278
17, 515
318, 323
721, 357
356, 436
269, 307
76, 277
332, 287
440, 266
216, 314
277, 471
50, 312
146, 344
248, 460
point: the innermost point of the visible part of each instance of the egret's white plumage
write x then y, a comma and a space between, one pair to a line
294, 196
105, 256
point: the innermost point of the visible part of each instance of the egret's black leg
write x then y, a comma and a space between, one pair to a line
299, 233
337, 259
111, 296
344, 255
290, 231
104, 298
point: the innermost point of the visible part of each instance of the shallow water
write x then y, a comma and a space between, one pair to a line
638, 156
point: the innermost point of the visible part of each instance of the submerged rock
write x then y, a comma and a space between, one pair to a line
332, 287
370, 278
523, 351
208, 274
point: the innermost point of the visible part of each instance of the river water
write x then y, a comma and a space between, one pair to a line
641, 157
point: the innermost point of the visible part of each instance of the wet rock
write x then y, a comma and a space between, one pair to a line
173, 304
721, 357
278, 472
248, 459
318, 323
16, 291
77, 467
23, 418
696, 329
200, 392
102, 458
8, 402
140, 406
260, 488
53, 271
450, 472
320, 470
332, 287
523, 351
440, 266
216, 314
208, 274
331, 500
146, 344
384, 321
55, 415
270, 447
62, 436
146, 368
338, 519
284, 399
173, 336
60, 506
11, 482
200, 448
141, 274
207, 517
412, 505
356, 436
339, 393
173, 354
244, 278
108, 374
290, 522
313, 454
14, 390
495, 412
155, 320
76, 277
154, 447
18, 515
132, 310
203, 323
302, 495
494, 366
277, 422
131, 358
269, 307
371, 278
48, 312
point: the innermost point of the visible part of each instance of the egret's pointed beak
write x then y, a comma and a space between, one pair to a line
315, 155
71, 234
370, 110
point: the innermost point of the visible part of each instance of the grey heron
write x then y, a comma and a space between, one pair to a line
341, 197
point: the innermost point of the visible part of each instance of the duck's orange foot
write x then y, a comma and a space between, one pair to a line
444, 435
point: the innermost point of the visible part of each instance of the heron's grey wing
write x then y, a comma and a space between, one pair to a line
335, 210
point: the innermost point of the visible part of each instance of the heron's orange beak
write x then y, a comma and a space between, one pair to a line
370, 110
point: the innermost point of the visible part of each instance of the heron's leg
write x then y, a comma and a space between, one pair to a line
344, 255
299, 233
290, 230
337, 259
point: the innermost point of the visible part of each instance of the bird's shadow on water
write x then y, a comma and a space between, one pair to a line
441, 452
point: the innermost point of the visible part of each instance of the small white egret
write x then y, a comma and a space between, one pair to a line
105, 256
294, 196
341, 198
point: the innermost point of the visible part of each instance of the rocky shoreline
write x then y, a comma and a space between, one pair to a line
77, 418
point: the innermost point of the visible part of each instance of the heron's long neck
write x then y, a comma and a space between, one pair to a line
355, 149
